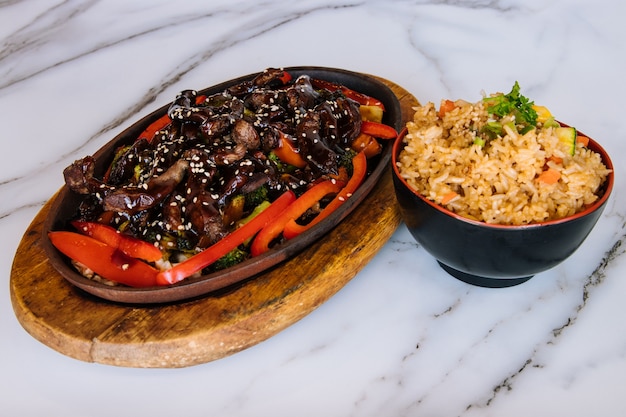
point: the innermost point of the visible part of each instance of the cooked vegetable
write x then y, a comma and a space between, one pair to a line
372, 113
287, 153
360, 98
445, 107
549, 176
567, 136
256, 196
359, 168
105, 260
514, 104
543, 114
449, 197
130, 245
378, 130
232, 258
155, 126
367, 144
347, 162
583, 140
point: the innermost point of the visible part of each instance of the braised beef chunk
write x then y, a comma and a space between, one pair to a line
133, 199
126, 159
245, 134
314, 146
79, 177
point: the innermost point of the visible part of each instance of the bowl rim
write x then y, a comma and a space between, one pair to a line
593, 145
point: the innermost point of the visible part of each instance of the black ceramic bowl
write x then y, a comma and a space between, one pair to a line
494, 255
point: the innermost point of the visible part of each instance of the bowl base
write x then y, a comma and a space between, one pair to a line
483, 281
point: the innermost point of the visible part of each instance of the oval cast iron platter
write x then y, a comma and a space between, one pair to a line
66, 203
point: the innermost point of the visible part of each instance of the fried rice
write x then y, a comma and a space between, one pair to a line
496, 182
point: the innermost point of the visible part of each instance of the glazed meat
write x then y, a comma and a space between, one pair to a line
175, 186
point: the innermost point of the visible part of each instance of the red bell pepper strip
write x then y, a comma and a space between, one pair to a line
287, 153
211, 254
286, 77
131, 246
271, 231
359, 171
378, 130
106, 261
354, 95
154, 127
162, 122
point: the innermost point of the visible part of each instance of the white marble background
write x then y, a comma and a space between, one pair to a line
403, 338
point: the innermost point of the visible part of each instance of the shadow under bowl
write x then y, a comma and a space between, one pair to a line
488, 255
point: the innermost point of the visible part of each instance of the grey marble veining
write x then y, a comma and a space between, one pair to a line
402, 338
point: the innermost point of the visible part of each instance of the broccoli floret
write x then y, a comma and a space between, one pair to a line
256, 197
345, 160
184, 243
232, 258
280, 165
170, 241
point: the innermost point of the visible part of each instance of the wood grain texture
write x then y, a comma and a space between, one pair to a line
188, 333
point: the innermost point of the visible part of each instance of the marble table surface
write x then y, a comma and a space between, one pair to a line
402, 338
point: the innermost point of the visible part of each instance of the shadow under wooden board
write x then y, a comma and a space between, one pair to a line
214, 326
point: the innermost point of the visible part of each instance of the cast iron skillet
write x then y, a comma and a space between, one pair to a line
66, 202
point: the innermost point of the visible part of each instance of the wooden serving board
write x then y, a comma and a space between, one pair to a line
197, 331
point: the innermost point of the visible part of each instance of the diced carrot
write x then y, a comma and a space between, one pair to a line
448, 197
584, 140
446, 106
155, 126
556, 159
549, 176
